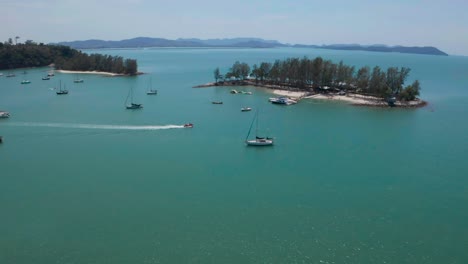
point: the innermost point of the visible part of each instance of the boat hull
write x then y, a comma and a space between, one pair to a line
259, 142
134, 106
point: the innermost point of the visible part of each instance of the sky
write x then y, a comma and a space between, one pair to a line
442, 24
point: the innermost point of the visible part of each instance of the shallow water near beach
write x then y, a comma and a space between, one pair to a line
83, 180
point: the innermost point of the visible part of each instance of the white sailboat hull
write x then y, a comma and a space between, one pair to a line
259, 142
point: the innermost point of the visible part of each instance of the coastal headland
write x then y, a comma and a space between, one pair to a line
352, 98
109, 74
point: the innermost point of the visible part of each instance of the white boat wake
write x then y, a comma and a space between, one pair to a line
92, 126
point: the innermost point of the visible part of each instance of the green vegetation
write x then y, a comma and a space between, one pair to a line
31, 54
321, 75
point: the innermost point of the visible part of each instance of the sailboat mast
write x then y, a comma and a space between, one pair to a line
250, 129
256, 128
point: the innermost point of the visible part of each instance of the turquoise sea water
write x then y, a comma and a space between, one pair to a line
83, 180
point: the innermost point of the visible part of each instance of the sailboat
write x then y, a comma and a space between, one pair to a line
62, 91
132, 105
151, 91
258, 141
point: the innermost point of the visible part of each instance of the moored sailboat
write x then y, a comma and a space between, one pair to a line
258, 141
131, 104
151, 91
61, 91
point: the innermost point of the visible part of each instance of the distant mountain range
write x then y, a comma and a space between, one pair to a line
146, 42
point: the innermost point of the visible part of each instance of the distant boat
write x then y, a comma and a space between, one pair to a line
244, 92
25, 81
217, 102
131, 105
246, 109
151, 91
188, 125
258, 141
11, 75
78, 80
46, 78
50, 73
4, 114
61, 91
234, 91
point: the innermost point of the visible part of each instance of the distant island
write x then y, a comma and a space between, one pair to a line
323, 79
147, 42
31, 54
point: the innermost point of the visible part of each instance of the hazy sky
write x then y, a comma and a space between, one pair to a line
443, 24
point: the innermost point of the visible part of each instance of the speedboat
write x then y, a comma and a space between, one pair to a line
217, 102
46, 78
246, 109
234, 91
78, 80
188, 125
4, 114
25, 81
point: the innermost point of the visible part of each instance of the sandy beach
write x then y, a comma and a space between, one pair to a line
364, 100
290, 94
90, 72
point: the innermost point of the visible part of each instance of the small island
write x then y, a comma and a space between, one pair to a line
31, 54
322, 79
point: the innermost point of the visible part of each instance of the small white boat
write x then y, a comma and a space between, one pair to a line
25, 81
234, 91
46, 78
4, 114
246, 109
78, 80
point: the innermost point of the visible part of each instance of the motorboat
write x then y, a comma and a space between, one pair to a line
217, 102
234, 91
4, 114
78, 80
282, 100
188, 125
46, 78
25, 81
246, 109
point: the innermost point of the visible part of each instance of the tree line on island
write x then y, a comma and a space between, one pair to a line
31, 54
321, 75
